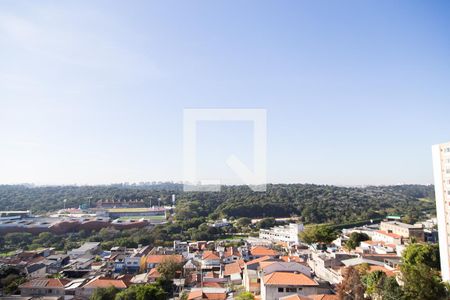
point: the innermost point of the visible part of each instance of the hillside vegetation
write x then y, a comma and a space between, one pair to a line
312, 203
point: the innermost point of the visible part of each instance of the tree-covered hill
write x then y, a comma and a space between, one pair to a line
313, 203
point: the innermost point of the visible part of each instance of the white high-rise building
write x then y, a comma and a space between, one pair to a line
441, 168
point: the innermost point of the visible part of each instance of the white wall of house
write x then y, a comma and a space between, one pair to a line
274, 292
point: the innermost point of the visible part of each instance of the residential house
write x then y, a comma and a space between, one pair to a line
88, 289
259, 251
87, 248
311, 297
233, 272
250, 278
43, 287
280, 284
152, 261
387, 237
268, 267
133, 260
210, 261
180, 247
208, 293
230, 254
36, 270
327, 265
407, 231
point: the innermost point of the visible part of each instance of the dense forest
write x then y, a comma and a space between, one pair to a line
337, 206
312, 203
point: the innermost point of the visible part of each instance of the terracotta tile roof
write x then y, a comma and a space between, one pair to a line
295, 297
157, 259
324, 297
195, 294
45, 282
210, 274
100, 282
258, 260
232, 268
388, 272
292, 258
262, 251
254, 284
212, 284
284, 278
199, 294
241, 263
153, 273
392, 235
370, 242
215, 296
210, 255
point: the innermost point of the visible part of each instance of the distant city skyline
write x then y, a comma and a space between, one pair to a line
93, 93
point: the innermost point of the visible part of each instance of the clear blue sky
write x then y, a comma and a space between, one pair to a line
356, 92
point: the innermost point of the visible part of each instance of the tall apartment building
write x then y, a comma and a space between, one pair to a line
405, 230
287, 234
441, 169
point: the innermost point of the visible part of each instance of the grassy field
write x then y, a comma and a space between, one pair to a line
148, 218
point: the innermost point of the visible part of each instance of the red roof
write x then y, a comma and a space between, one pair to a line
153, 273
210, 255
258, 260
392, 235
292, 259
324, 297
157, 259
388, 272
101, 282
262, 251
199, 294
45, 282
232, 268
283, 278
212, 284
295, 297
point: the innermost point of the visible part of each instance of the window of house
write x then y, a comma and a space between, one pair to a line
291, 290
280, 290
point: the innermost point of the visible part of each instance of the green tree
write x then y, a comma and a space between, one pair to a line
321, 234
355, 239
351, 287
108, 293
427, 254
142, 292
422, 283
245, 296
169, 267
390, 290
419, 273
243, 222
373, 282
267, 223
